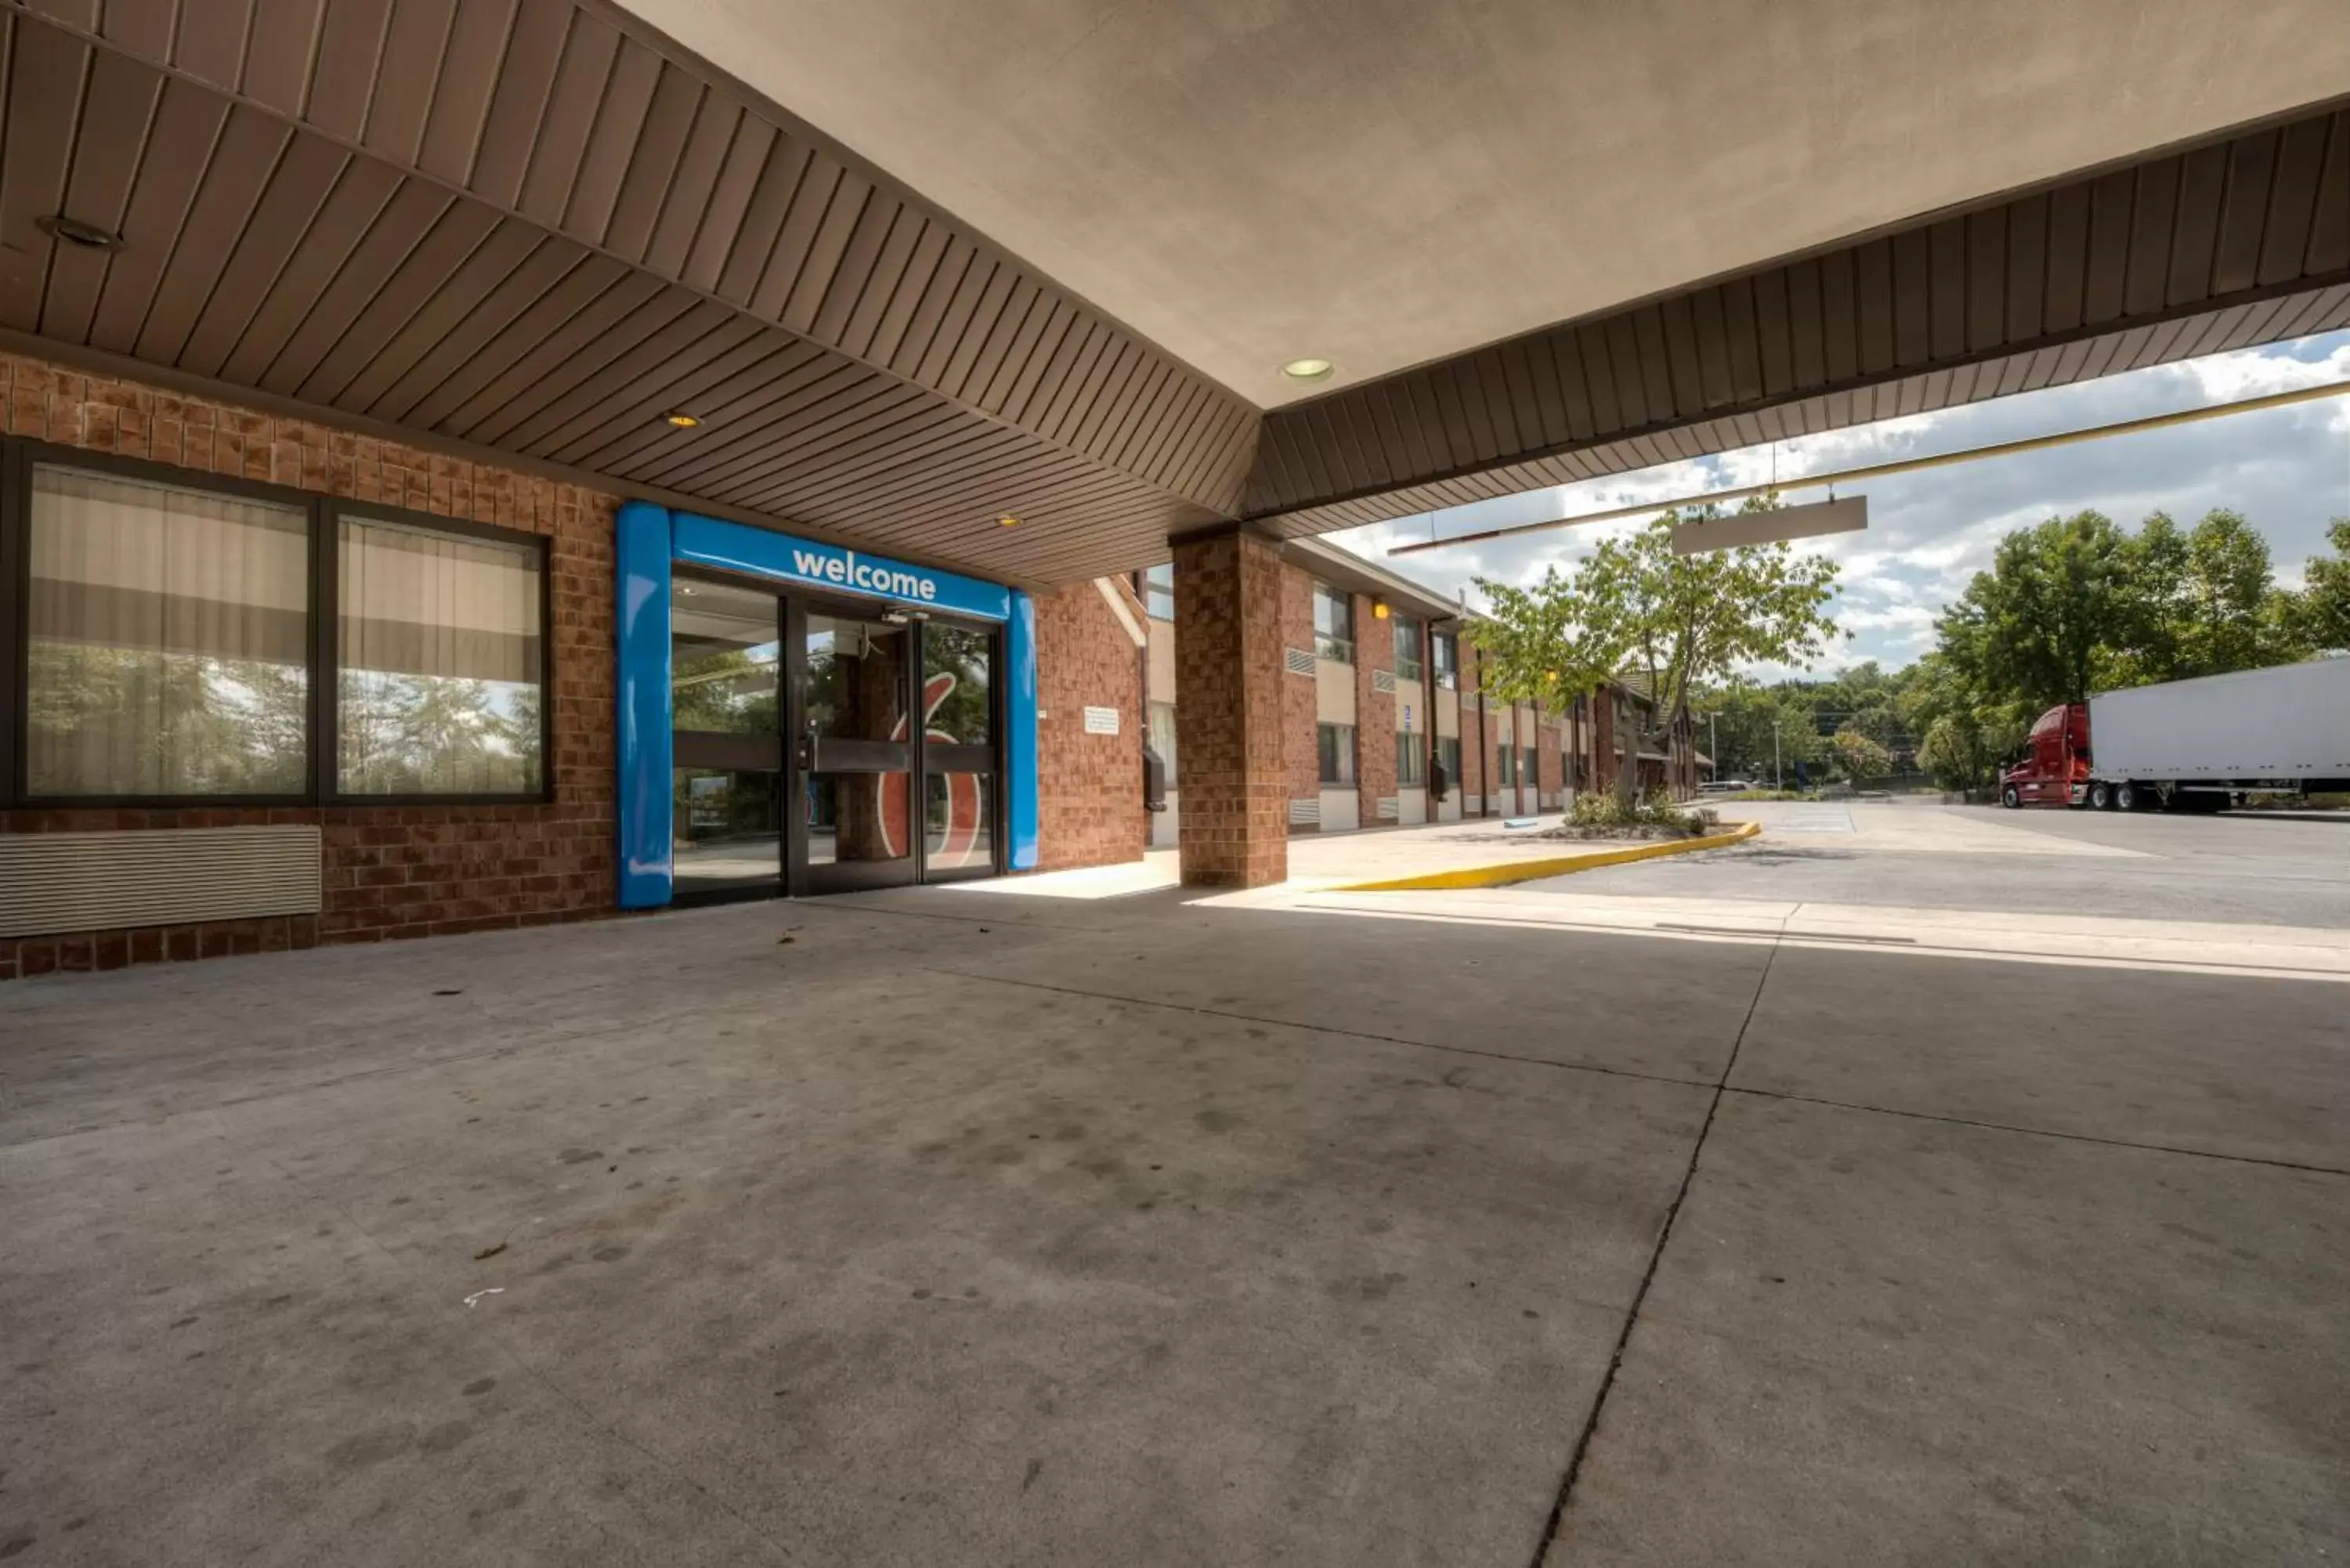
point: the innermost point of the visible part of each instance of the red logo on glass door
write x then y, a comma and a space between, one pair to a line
960, 843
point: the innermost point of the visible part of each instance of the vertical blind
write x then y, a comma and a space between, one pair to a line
167, 641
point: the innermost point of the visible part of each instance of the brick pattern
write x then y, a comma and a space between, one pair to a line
389, 871
1374, 713
1089, 799
1475, 763
1300, 701
1549, 775
1230, 711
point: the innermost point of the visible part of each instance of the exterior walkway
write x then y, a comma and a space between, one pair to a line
945, 1227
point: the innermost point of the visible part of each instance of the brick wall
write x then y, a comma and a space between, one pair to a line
1089, 799
405, 871
1474, 769
1231, 710
1549, 757
1375, 712
1299, 694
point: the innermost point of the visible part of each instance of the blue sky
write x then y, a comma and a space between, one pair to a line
2287, 470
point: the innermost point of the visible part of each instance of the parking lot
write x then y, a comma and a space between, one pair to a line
945, 1227
2252, 867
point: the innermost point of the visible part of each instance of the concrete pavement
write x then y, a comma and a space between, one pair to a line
966, 1228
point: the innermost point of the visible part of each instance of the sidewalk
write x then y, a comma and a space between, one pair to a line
1341, 859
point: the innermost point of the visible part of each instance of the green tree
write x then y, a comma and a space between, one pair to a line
2321, 612
1684, 621
2059, 598
1861, 758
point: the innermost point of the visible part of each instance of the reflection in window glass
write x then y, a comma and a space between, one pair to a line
1406, 648
857, 817
1412, 753
955, 669
1162, 737
959, 821
1335, 745
439, 689
1158, 591
1448, 757
856, 685
1447, 654
724, 829
1334, 624
724, 656
168, 636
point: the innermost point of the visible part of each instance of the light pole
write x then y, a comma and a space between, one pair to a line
1778, 774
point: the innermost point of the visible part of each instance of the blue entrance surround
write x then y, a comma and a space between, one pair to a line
653, 538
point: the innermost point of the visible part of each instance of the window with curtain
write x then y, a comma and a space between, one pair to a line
1162, 737
1406, 648
1412, 753
1334, 746
1448, 757
441, 663
1447, 654
167, 641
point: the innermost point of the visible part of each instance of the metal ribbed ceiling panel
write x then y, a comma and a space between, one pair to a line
2240, 242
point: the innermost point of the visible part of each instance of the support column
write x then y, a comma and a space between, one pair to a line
1234, 830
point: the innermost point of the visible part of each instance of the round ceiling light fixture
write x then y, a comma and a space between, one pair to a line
1007, 521
681, 420
74, 231
1308, 369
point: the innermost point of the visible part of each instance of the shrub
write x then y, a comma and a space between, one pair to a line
1602, 809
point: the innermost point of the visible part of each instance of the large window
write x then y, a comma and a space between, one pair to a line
1448, 757
441, 662
200, 642
1158, 591
1447, 654
1503, 763
1406, 648
1162, 737
167, 641
1335, 745
1412, 752
1334, 624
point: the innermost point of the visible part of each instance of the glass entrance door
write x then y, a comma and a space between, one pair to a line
853, 758
819, 748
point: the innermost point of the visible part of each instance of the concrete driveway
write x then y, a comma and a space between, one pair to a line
963, 1228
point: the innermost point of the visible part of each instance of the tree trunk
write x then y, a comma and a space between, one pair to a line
1627, 770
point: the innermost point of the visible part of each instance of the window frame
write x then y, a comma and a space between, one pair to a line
1411, 746
19, 456
1409, 665
1324, 640
1145, 587
1444, 661
1352, 755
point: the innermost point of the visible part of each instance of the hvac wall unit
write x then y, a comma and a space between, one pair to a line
1383, 680
1300, 661
1389, 808
59, 882
1304, 814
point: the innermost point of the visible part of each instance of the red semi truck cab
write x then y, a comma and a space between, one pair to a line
2055, 769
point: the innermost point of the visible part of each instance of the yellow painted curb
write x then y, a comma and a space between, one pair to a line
1510, 871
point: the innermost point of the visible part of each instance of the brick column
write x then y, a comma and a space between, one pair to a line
1550, 775
1374, 713
1475, 772
1234, 829
1300, 695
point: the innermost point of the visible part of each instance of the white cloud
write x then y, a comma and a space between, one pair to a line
2287, 470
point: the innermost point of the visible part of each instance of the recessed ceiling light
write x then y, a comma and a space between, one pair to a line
1308, 369
682, 420
74, 231
1007, 521
686, 588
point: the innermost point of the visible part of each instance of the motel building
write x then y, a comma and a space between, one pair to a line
1386, 721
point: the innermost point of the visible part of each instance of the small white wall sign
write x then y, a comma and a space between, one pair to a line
1101, 721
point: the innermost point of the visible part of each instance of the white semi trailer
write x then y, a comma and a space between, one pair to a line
2192, 744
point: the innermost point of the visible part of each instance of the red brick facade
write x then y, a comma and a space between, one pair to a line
1089, 796
1232, 695
1549, 762
1300, 694
1375, 711
403, 871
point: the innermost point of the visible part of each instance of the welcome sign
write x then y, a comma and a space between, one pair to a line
736, 547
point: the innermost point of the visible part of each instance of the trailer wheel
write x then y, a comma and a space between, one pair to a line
2127, 797
2101, 795
2009, 798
